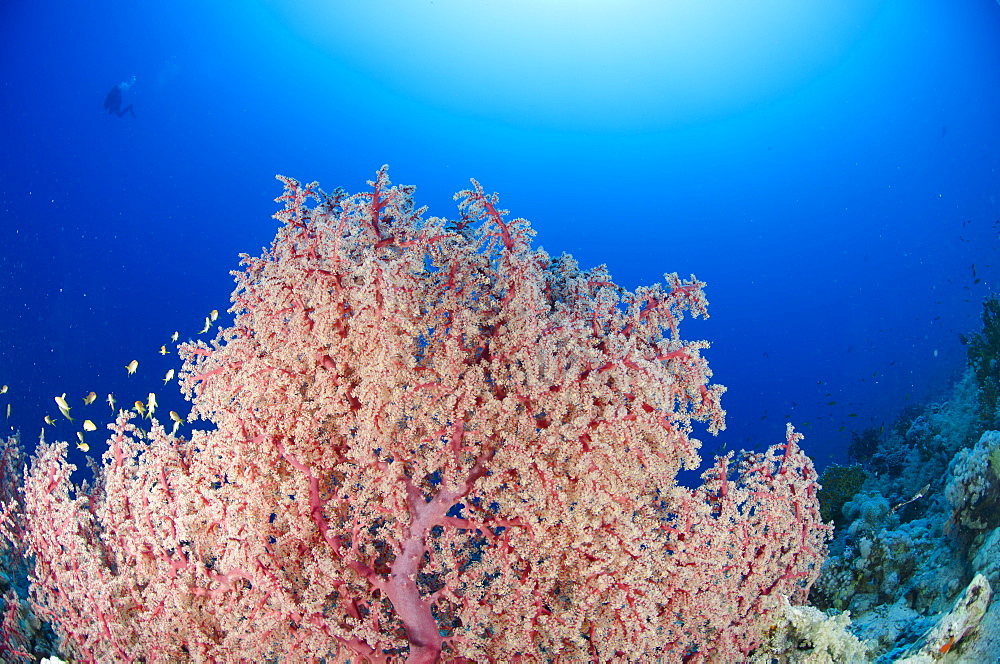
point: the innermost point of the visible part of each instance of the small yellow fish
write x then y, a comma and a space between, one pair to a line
132, 366
208, 326
173, 337
82, 446
151, 404
111, 402
140, 408
3, 389
89, 426
63, 406
177, 421
90, 398
169, 377
49, 420
163, 350
8, 411
214, 314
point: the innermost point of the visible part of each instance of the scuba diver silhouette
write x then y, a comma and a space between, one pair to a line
113, 102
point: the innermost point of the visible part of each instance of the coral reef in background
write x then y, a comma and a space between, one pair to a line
983, 349
925, 522
428, 441
840, 484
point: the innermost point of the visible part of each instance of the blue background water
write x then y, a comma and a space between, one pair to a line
832, 173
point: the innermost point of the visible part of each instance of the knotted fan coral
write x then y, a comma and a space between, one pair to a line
429, 441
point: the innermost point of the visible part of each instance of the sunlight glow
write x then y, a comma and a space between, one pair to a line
585, 64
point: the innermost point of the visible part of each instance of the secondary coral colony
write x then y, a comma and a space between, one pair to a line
425, 440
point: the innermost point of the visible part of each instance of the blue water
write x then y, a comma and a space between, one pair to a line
830, 172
